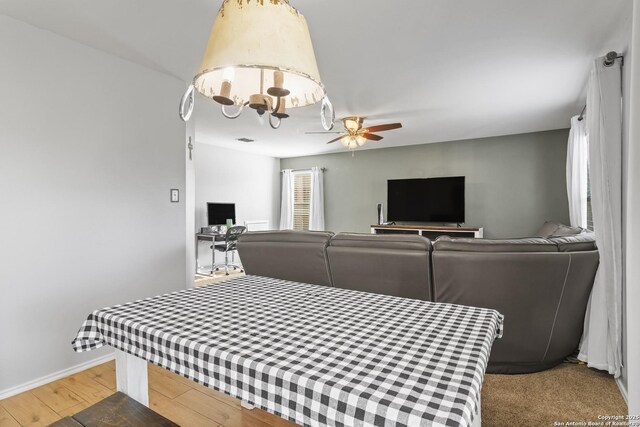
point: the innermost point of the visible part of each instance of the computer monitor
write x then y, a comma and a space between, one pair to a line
219, 213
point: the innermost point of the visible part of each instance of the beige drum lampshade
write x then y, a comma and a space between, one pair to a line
250, 41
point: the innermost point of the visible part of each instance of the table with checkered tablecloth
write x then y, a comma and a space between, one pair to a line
315, 355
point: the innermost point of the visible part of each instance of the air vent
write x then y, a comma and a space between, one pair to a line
244, 139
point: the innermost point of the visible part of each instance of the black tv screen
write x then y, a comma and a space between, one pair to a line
426, 199
219, 213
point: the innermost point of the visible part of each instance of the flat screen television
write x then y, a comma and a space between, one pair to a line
426, 199
219, 213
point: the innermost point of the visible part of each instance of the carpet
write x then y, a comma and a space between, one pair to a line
566, 393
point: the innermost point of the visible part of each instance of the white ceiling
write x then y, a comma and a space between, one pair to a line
446, 69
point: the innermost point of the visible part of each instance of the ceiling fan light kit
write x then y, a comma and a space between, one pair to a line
353, 142
259, 55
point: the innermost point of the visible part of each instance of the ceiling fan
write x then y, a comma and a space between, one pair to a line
356, 136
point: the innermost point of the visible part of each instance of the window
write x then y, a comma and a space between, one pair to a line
589, 211
301, 200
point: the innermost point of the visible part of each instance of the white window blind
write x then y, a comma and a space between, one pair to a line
301, 200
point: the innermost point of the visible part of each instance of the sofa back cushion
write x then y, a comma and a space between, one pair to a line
529, 244
577, 243
397, 265
299, 256
381, 241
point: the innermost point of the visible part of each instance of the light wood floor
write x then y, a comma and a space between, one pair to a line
203, 279
177, 398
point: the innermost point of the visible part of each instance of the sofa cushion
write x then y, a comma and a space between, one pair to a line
529, 244
585, 241
388, 264
381, 241
299, 256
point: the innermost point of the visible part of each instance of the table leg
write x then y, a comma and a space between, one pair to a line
246, 405
132, 377
213, 255
477, 420
197, 241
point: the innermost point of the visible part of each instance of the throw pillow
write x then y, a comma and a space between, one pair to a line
547, 229
565, 230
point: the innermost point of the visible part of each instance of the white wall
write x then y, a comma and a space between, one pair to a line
89, 147
190, 201
251, 181
632, 278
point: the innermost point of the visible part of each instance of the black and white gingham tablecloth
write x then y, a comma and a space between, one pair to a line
312, 354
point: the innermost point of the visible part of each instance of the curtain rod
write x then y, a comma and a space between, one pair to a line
305, 170
608, 61
581, 117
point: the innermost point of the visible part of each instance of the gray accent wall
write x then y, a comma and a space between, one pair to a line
513, 183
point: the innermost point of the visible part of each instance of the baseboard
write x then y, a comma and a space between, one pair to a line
55, 376
623, 390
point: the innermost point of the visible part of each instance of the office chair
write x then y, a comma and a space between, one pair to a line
230, 245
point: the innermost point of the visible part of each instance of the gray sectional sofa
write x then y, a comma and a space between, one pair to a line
540, 285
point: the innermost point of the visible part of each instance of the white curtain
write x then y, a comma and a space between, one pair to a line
286, 201
601, 342
316, 209
577, 160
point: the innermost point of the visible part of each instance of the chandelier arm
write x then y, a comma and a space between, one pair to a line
326, 103
277, 106
269, 102
278, 123
188, 101
232, 116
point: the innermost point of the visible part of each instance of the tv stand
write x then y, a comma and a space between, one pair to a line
429, 231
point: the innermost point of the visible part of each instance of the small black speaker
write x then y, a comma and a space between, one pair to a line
380, 219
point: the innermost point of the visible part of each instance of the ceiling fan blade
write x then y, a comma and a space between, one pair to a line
338, 138
314, 133
381, 128
371, 136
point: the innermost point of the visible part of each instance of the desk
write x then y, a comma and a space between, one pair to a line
315, 355
213, 238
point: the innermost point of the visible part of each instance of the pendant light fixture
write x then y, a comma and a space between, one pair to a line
259, 56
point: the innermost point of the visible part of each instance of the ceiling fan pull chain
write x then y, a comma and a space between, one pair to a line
188, 101
326, 103
277, 123
231, 116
